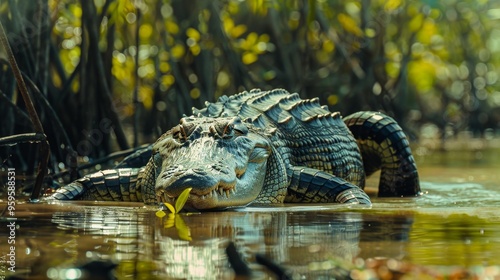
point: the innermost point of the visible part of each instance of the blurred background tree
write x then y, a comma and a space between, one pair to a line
111, 74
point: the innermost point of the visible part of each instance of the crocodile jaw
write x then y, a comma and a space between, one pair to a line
221, 173
210, 193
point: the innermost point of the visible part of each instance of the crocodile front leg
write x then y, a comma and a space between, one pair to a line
106, 185
384, 146
312, 185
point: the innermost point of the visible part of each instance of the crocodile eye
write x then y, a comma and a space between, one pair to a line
241, 130
232, 128
183, 132
228, 131
222, 130
179, 133
239, 127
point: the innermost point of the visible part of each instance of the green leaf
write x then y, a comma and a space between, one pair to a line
181, 200
160, 214
170, 221
182, 229
170, 207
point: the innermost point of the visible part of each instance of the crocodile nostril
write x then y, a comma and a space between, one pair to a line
178, 173
240, 173
199, 171
221, 168
217, 166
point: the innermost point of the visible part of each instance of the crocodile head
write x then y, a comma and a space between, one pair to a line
223, 160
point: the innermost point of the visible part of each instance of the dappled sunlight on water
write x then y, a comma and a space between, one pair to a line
453, 227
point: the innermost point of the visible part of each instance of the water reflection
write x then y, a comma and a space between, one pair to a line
456, 224
310, 243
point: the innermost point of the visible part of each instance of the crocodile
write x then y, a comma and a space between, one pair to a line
262, 147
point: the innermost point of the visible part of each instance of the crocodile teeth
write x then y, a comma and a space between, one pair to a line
227, 193
220, 191
233, 191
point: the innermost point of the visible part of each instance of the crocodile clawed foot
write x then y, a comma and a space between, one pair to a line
354, 196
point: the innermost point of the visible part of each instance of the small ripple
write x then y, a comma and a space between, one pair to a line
458, 194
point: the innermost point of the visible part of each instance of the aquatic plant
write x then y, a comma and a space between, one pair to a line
173, 219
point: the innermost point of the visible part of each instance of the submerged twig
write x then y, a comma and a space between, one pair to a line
281, 272
239, 266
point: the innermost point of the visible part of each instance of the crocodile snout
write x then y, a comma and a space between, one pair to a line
208, 187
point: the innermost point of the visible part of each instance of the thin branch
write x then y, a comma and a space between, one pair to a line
52, 114
332, 35
22, 38
37, 125
19, 114
44, 146
135, 98
90, 14
22, 138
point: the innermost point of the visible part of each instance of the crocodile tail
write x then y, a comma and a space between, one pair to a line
384, 146
105, 185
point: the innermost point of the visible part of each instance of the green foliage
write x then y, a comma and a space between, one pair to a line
174, 219
179, 203
181, 200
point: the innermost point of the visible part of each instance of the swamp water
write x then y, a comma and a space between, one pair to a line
453, 230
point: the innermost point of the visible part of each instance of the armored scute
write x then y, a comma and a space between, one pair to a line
262, 147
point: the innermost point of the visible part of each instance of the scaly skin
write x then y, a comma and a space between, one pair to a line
262, 147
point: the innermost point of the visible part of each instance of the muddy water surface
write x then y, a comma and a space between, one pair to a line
454, 229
